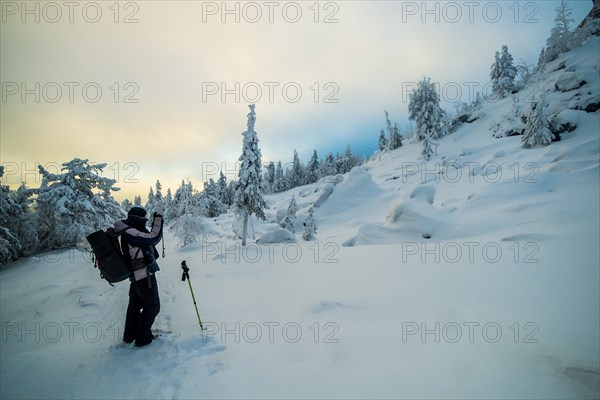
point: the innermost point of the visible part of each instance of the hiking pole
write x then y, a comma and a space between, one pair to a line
186, 275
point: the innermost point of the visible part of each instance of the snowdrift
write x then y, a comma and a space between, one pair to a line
480, 280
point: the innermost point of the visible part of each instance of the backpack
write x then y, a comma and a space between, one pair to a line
113, 265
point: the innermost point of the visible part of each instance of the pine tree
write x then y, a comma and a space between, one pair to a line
248, 195
137, 201
388, 124
537, 129
75, 203
126, 205
290, 218
222, 195
310, 226
150, 203
424, 109
349, 160
429, 147
541, 64
269, 181
382, 141
279, 183
25, 224
210, 201
10, 212
296, 177
560, 35
169, 206
313, 168
395, 141
503, 73
328, 168
159, 201
496, 73
184, 201
187, 228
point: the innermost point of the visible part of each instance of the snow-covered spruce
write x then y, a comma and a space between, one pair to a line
74, 203
269, 178
424, 109
312, 171
382, 144
310, 226
537, 129
184, 201
210, 200
248, 197
503, 73
394, 139
187, 228
290, 218
296, 174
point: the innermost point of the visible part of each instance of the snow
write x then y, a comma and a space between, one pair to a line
473, 275
279, 235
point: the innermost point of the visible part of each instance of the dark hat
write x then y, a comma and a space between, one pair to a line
137, 211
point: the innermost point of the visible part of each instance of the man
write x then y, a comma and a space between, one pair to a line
144, 304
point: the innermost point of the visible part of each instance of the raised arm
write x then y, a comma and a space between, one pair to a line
137, 238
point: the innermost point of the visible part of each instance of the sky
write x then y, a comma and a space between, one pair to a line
160, 89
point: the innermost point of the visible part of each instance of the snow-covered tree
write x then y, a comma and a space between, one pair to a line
150, 203
231, 192
74, 203
395, 139
269, 180
210, 201
296, 175
503, 73
169, 213
429, 147
424, 109
126, 205
248, 197
537, 129
137, 201
24, 226
388, 123
524, 73
310, 226
382, 141
184, 201
348, 160
541, 64
279, 182
560, 35
290, 218
10, 212
187, 228
328, 167
159, 201
312, 172
222, 194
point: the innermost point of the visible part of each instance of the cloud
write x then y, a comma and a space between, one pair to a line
347, 72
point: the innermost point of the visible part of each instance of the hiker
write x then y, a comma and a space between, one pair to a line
138, 243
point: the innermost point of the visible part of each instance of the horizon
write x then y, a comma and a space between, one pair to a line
141, 99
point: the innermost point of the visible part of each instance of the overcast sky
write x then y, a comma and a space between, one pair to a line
159, 89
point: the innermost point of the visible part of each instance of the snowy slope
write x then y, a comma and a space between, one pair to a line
474, 275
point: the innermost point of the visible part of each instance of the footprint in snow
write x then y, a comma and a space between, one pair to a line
201, 345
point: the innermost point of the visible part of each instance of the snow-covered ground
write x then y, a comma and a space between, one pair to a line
474, 275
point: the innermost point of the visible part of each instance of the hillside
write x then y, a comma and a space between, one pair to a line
473, 275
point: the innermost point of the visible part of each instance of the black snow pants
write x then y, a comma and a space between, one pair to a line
143, 308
